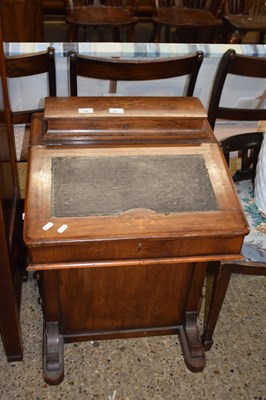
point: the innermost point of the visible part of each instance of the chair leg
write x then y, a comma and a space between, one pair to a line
132, 34
261, 37
220, 274
157, 33
72, 34
116, 34
168, 34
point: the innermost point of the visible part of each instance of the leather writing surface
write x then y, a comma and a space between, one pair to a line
109, 185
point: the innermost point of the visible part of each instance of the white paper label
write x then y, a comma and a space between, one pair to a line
47, 226
85, 110
62, 228
116, 110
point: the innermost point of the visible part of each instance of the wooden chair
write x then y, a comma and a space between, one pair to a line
235, 64
103, 15
27, 65
134, 70
248, 146
195, 21
241, 18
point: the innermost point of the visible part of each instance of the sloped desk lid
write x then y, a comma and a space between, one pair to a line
57, 179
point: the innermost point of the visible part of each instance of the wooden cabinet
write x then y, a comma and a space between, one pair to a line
11, 248
121, 232
22, 20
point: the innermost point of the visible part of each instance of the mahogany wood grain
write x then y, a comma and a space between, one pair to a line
22, 20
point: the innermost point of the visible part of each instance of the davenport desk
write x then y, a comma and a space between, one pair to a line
121, 232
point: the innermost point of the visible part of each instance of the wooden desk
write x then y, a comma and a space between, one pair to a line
132, 229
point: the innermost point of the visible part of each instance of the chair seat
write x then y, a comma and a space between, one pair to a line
254, 247
104, 16
186, 17
246, 22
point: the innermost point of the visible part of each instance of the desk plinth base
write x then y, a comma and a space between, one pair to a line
53, 345
121, 301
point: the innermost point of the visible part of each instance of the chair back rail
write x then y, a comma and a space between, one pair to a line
134, 70
27, 65
236, 6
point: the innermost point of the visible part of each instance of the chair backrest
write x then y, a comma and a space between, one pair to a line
245, 66
164, 3
214, 6
28, 65
236, 6
114, 70
211, 5
70, 4
248, 147
195, 3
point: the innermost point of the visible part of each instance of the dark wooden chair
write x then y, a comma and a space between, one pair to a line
112, 15
195, 21
234, 64
27, 65
114, 70
242, 18
247, 145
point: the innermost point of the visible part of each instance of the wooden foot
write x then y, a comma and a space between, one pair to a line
53, 354
193, 350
